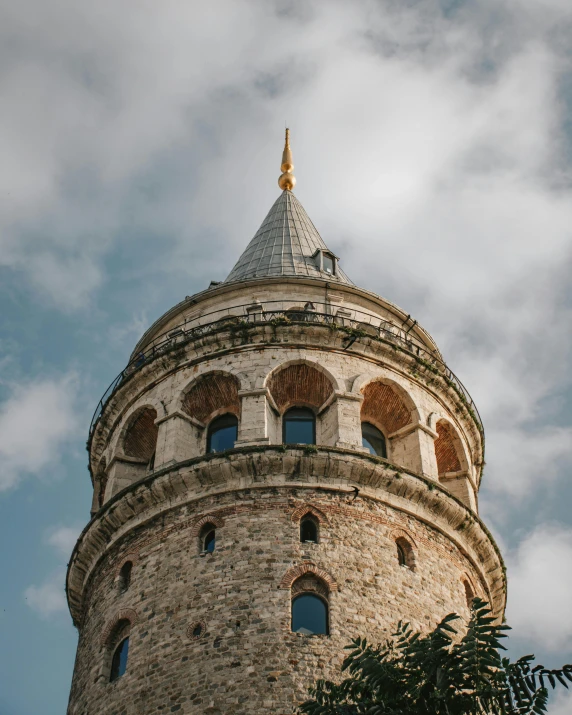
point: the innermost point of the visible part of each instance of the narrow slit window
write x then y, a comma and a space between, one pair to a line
125, 576
308, 530
207, 539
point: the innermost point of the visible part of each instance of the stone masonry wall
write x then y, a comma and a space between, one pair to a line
248, 661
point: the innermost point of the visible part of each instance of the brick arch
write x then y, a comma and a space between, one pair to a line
448, 448
294, 573
300, 383
212, 393
305, 509
140, 434
403, 534
127, 614
213, 519
387, 406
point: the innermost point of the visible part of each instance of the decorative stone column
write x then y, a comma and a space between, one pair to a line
413, 446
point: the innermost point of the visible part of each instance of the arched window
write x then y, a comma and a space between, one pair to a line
405, 553
309, 614
299, 426
309, 530
125, 576
207, 539
469, 593
373, 439
222, 433
119, 660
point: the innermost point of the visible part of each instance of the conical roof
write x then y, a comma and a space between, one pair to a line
287, 244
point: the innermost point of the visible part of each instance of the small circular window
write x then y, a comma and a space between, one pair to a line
196, 630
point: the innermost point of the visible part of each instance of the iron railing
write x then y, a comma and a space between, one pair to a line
240, 317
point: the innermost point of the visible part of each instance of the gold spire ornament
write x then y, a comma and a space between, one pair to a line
287, 180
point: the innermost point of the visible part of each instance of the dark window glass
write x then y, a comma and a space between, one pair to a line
119, 662
309, 614
372, 439
197, 630
125, 576
308, 530
299, 426
401, 556
209, 542
328, 263
222, 433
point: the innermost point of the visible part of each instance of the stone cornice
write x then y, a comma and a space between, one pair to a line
327, 468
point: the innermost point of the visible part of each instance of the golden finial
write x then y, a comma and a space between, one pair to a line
287, 180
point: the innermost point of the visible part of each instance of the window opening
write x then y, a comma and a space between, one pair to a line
328, 263
125, 576
405, 555
299, 426
373, 440
119, 661
222, 433
309, 615
308, 530
401, 556
469, 594
208, 539
197, 631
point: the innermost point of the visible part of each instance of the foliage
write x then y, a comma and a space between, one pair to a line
438, 674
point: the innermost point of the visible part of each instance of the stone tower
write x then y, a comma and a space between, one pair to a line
285, 463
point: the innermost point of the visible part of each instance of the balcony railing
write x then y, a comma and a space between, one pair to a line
355, 324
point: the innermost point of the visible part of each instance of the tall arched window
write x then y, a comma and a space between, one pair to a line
119, 660
309, 614
125, 576
309, 529
299, 426
373, 440
222, 433
207, 539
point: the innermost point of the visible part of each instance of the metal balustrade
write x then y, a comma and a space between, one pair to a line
355, 324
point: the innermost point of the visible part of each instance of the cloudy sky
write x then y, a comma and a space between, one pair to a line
140, 145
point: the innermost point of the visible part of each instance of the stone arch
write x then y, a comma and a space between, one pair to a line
296, 572
305, 509
300, 383
449, 450
117, 624
213, 519
139, 436
210, 395
387, 406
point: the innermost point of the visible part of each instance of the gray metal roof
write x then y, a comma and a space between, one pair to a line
284, 246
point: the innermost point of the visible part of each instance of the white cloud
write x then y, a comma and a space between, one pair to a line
48, 599
63, 538
540, 583
560, 703
36, 421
